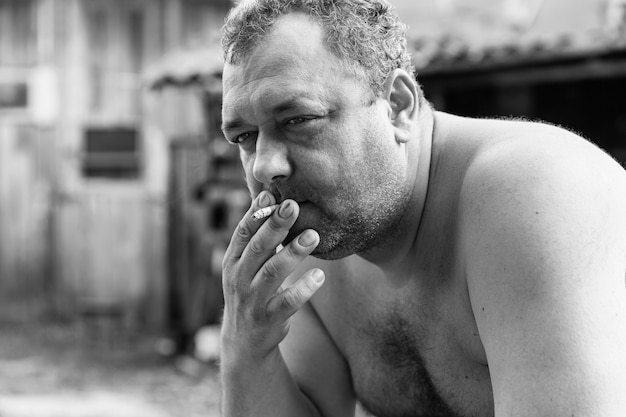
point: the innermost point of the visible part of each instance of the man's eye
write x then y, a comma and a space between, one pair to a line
237, 140
300, 119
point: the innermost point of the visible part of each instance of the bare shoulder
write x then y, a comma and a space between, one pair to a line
542, 148
543, 241
538, 168
538, 193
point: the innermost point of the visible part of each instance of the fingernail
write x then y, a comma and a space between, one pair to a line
317, 275
285, 209
307, 238
264, 199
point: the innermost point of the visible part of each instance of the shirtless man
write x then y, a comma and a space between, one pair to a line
460, 267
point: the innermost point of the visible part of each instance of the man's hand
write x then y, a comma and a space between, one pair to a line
257, 305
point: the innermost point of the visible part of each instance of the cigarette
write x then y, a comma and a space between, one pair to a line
264, 212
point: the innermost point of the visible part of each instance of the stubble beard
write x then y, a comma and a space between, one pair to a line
362, 227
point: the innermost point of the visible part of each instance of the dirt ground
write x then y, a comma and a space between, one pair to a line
50, 366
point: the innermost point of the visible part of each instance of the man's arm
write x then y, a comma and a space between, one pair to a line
317, 365
545, 245
257, 310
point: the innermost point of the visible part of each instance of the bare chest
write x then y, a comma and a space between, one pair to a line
412, 365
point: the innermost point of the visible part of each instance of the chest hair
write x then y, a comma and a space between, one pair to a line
391, 379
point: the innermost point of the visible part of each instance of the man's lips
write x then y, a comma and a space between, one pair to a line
288, 195
280, 198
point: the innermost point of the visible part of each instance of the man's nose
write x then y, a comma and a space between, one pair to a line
271, 161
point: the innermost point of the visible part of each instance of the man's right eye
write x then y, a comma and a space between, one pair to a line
239, 139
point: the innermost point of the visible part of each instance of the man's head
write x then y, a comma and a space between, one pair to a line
310, 127
365, 34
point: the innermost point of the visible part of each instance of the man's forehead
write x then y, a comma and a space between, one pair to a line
293, 57
269, 65
270, 89
295, 40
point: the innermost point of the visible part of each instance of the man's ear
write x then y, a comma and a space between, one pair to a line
401, 95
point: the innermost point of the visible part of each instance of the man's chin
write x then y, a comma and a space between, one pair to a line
310, 217
331, 248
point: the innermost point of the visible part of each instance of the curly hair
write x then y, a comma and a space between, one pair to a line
365, 34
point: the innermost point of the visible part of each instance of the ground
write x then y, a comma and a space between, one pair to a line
54, 370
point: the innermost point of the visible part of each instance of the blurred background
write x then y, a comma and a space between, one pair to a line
118, 193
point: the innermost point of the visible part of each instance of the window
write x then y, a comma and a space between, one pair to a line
13, 95
17, 33
112, 153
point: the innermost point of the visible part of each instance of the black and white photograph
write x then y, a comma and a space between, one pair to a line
312, 208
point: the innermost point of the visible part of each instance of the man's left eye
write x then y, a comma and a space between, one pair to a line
300, 119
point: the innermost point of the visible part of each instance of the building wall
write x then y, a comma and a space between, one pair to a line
25, 221
93, 229
27, 158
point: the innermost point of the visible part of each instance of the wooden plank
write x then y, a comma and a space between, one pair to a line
154, 303
104, 261
111, 254
25, 219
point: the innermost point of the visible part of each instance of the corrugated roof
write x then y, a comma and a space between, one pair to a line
201, 67
451, 54
436, 55
449, 36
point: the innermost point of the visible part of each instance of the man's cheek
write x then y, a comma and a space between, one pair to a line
254, 186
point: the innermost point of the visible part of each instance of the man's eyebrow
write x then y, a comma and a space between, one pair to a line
290, 103
286, 105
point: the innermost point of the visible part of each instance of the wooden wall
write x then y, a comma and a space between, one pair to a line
26, 182
70, 242
107, 251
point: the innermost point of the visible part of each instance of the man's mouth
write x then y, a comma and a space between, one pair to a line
277, 194
280, 197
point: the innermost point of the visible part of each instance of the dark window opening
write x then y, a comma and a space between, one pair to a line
13, 95
111, 153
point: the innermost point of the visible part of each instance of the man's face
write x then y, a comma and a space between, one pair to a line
308, 130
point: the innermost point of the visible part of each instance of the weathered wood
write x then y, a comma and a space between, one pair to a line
90, 244
25, 220
106, 244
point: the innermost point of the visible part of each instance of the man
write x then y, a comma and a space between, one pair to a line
460, 267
